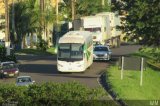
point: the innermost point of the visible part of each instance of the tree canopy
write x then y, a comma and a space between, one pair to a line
141, 21
86, 7
27, 18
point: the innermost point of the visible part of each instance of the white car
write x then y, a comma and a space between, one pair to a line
101, 52
24, 81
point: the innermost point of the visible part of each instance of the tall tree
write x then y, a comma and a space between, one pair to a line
86, 7
141, 22
49, 16
26, 20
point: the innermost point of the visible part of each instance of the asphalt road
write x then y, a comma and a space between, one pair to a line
44, 68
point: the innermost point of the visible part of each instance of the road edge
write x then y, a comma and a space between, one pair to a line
107, 87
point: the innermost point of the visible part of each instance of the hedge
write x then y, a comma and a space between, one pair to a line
4, 57
63, 94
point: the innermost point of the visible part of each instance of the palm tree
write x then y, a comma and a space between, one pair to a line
33, 25
49, 20
26, 20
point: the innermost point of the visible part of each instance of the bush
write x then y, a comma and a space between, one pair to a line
2, 53
4, 57
153, 53
64, 94
42, 45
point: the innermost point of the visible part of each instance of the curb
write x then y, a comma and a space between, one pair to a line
107, 87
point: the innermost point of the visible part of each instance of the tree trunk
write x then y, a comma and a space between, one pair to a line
42, 23
31, 40
24, 42
7, 34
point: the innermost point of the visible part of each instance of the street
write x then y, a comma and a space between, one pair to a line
44, 68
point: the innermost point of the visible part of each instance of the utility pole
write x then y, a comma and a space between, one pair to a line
7, 37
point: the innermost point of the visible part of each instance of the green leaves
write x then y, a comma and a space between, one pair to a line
4, 57
64, 94
86, 7
142, 20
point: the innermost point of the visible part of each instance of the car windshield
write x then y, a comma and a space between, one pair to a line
70, 51
24, 79
101, 49
9, 66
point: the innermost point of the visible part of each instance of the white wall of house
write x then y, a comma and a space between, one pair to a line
2, 35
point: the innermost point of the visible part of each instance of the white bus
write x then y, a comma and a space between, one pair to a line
75, 51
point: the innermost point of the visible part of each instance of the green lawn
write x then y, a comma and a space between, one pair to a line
37, 52
51, 50
129, 88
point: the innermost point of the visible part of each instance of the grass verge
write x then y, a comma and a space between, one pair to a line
49, 51
129, 88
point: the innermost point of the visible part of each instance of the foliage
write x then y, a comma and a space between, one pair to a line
29, 19
4, 57
51, 50
64, 94
25, 19
42, 45
85, 7
141, 21
2, 53
152, 53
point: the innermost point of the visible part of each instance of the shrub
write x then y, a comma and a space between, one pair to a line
153, 53
156, 54
4, 57
2, 53
63, 94
42, 45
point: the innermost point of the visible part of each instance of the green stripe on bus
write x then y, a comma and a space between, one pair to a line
88, 53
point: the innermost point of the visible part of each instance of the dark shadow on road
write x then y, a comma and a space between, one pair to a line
30, 57
102, 61
71, 75
51, 70
39, 68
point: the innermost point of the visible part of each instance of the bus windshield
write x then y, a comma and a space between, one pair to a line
70, 51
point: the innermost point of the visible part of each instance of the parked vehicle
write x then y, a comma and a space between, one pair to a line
24, 81
75, 51
8, 69
101, 52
